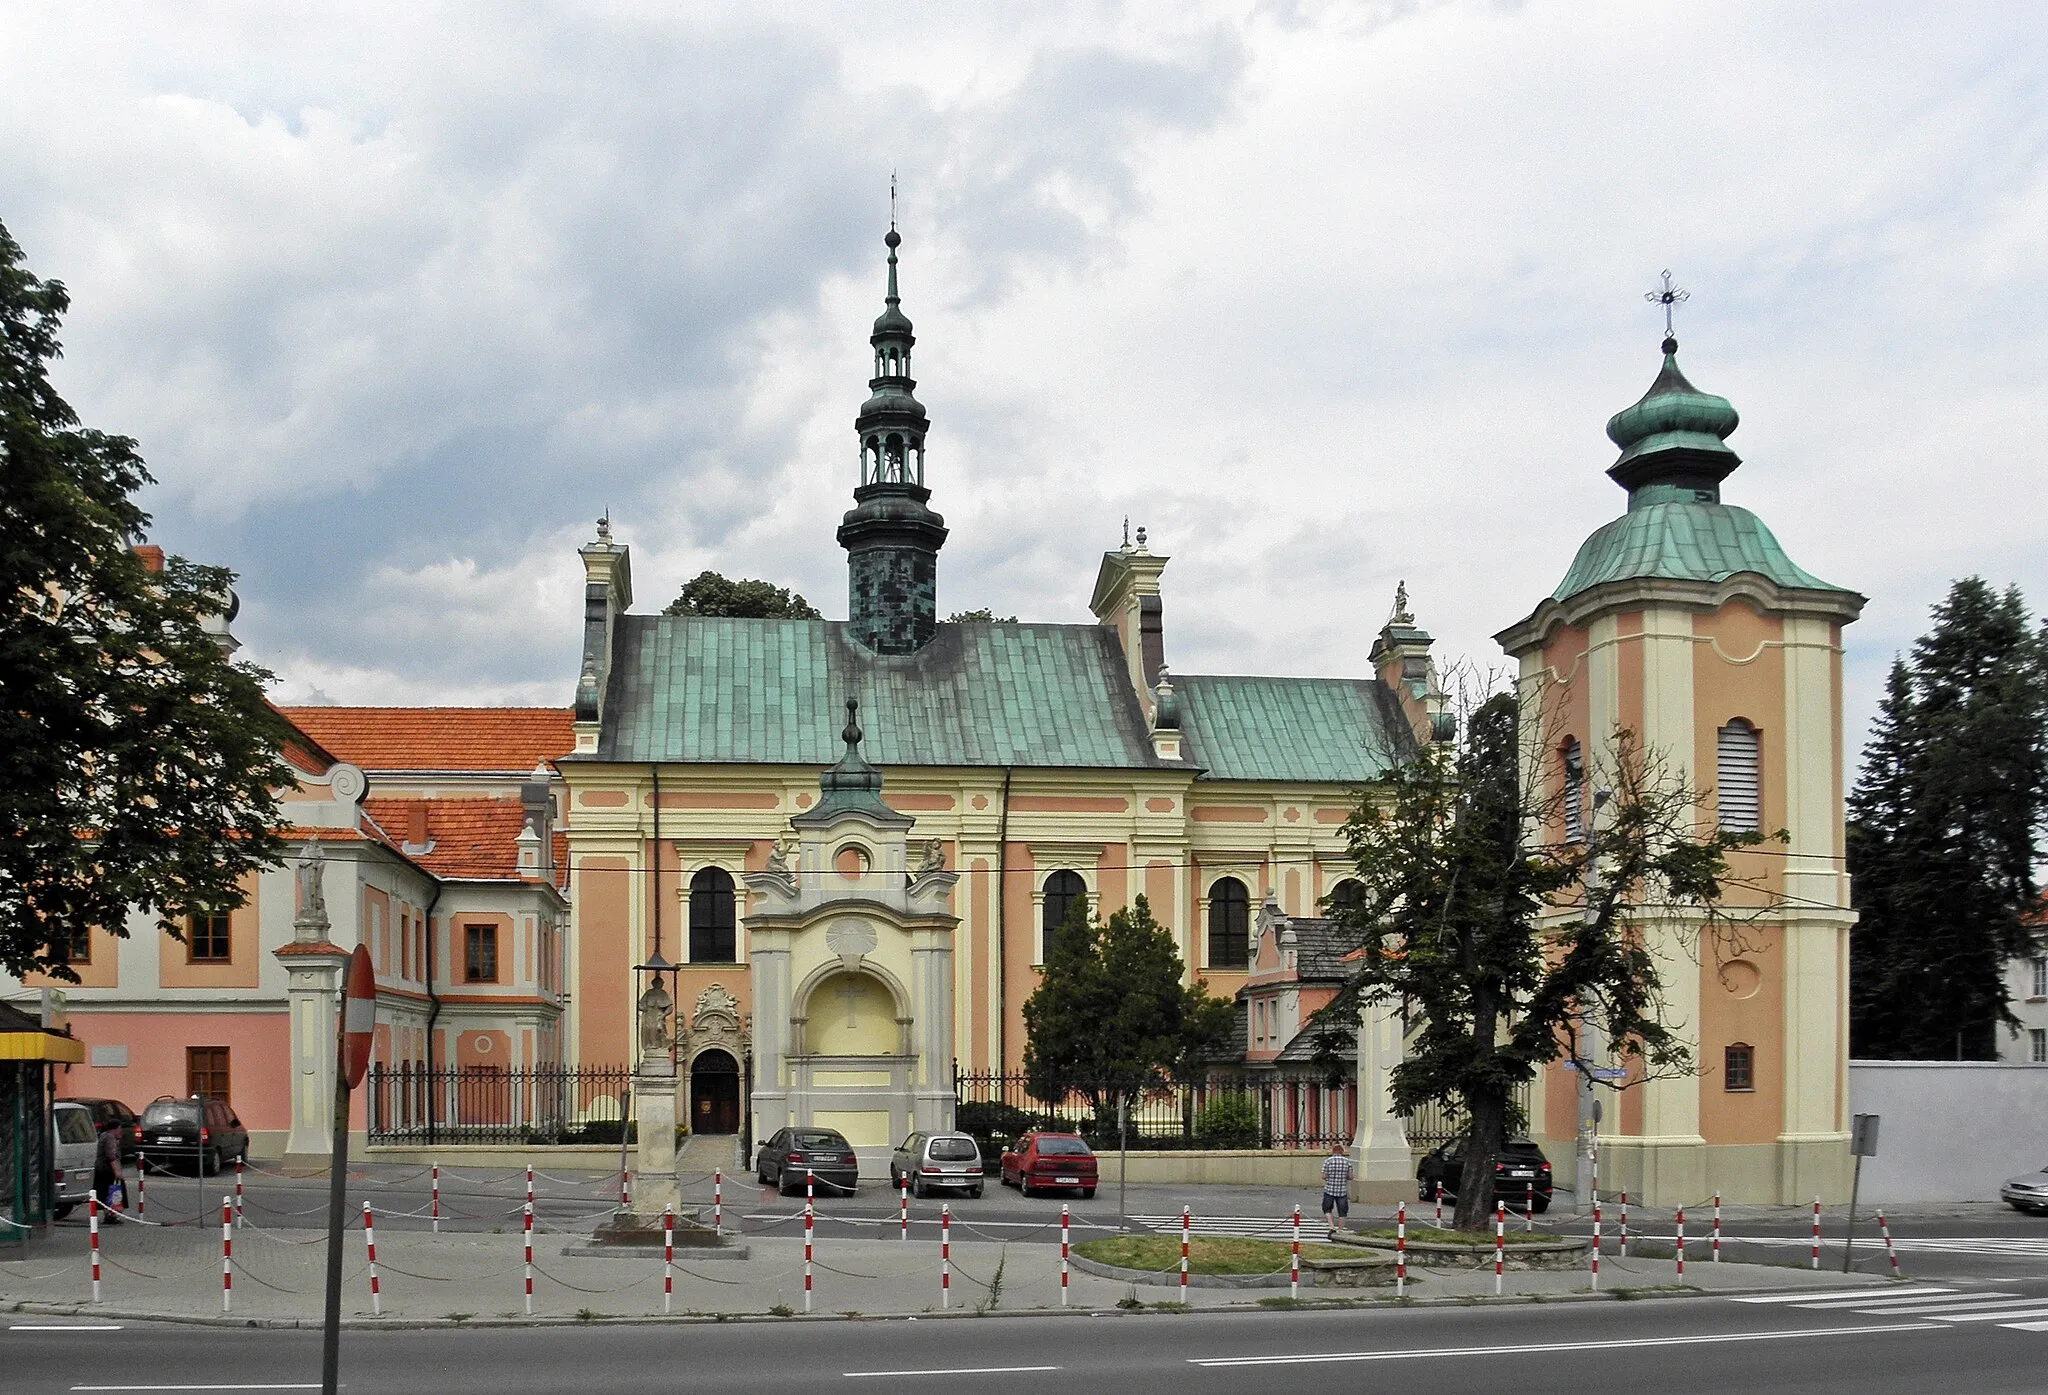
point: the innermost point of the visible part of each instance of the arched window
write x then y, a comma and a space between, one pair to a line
1574, 763
714, 934
1062, 890
1230, 925
1737, 790
1346, 897
1738, 1067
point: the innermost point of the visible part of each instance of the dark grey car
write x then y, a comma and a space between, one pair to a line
929, 1160
202, 1130
791, 1154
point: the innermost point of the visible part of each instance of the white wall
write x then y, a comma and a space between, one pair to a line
1951, 1130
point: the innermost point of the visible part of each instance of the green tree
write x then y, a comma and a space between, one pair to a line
1944, 830
1112, 1015
1500, 954
983, 616
708, 593
141, 763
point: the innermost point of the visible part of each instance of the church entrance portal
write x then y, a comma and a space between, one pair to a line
714, 1094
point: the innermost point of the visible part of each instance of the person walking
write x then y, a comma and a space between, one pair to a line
1336, 1188
106, 1175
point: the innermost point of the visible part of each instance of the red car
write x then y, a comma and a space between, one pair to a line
1044, 1161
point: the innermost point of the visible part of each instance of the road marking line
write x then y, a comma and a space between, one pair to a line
956, 1371
1539, 1348
1960, 1305
1905, 1301
65, 1327
303, 1385
2036, 1311
1807, 1295
2026, 1326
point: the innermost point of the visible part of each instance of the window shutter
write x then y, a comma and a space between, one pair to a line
1574, 791
1740, 808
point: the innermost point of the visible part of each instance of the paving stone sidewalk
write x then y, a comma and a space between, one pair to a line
278, 1277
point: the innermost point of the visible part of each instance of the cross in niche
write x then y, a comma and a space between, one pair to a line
1669, 297
849, 993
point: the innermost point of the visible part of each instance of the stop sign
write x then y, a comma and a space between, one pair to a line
358, 1017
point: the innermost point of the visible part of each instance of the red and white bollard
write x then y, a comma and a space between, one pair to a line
1678, 1253
1186, 1223
1065, 1237
529, 1259
668, 1259
1401, 1251
1500, 1242
227, 1254
92, 1214
529, 1184
1596, 1240
1624, 1222
1439, 1206
239, 1213
1816, 1232
807, 1256
903, 1208
437, 1199
141, 1185
370, 1243
1294, 1259
625, 1189
810, 1187
1717, 1227
946, 1254
717, 1201
1889, 1253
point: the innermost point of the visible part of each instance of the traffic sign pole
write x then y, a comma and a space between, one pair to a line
358, 1021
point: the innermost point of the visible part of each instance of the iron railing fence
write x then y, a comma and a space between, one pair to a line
1216, 1110
410, 1103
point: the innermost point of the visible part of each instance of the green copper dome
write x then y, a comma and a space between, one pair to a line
1675, 434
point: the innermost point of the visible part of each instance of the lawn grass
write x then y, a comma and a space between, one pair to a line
1476, 1239
1207, 1254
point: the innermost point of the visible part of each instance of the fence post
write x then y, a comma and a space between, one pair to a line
1294, 1259
227, 1251
370, 1247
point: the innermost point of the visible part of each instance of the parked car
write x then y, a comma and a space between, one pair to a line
931, 1160
1044, 1161
201, 1129
77, 1149
111, 1114
2028, 1193
823, 1153
1521, 1174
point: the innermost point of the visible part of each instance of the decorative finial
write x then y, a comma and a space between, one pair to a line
604, 526
852, 735
1141, 537
1401, 615
1669, 297
892, 201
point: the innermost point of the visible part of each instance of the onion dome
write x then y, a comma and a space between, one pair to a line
1675, 435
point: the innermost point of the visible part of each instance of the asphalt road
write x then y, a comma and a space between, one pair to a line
1928, 1341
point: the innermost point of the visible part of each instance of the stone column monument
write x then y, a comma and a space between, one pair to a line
655, 1184
313, 966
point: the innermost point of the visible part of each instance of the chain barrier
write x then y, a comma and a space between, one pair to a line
578, 1288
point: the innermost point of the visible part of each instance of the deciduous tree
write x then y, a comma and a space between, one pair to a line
708, 593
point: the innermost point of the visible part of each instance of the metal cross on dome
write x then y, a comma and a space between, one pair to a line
1668, 297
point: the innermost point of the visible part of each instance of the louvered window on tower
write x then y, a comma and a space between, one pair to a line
1574, 790
1740, 809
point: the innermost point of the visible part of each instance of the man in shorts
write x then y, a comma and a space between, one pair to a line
1336, 1188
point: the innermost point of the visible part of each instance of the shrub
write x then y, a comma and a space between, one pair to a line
1228, 1121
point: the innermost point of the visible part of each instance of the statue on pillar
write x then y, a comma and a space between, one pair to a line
310, 923
655, 1006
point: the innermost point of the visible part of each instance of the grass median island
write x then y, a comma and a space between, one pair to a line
1419, 1234
1207, 1254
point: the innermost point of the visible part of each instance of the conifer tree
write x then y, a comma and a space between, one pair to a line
1944, 827
138, 763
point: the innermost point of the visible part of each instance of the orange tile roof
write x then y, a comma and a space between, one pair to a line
510, 739
468, 838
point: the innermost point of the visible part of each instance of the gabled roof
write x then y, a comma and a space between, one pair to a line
1321, 946
714, 690
467, 839
507, 740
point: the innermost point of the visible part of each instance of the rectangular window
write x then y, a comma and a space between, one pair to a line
78, 947
1738, 1067
2041, 978
2037, 1043
480, 953
206, 939
1737, 762
206, 1071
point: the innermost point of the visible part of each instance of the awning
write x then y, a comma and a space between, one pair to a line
41, 1046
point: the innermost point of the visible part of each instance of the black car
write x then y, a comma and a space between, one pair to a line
1521, 1174
824, 1154
201, 1130
111, 1114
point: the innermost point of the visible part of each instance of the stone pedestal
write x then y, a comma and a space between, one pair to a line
313, 973
1380, 1154
655, 1184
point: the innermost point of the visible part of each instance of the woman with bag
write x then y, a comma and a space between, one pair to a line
107, 1182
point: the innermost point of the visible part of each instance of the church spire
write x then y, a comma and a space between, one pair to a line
1674, 439
891, 537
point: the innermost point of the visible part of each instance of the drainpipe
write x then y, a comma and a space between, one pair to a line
654, 771
1002, 957
433, 1015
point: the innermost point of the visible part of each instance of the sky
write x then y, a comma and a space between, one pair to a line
398, 298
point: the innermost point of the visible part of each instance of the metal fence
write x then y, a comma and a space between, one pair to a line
409, 1103
1218, 1110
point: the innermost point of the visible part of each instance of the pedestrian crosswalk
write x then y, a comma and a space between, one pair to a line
1255, 1227
2016, 1246
1927, 1302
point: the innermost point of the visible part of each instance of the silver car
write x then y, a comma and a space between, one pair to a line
2028, 1193
76, 1153
929, 1160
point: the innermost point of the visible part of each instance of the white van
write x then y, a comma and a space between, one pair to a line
78, 1146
